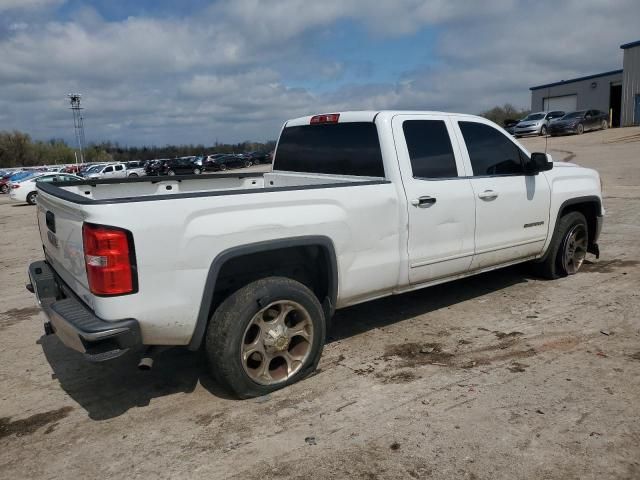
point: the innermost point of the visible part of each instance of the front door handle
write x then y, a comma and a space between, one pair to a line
488, 195
423, 202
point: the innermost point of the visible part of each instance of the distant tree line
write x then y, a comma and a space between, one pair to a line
507, 111
17, 149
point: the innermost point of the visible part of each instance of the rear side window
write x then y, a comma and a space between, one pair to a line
490, 152
430, 149
351, 148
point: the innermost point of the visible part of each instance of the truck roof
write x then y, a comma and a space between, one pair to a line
369, 115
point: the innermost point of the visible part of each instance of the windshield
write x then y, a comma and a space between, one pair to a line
534, 116
574, 115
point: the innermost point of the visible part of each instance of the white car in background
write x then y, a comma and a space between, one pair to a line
110, 170
135, 168
25, 190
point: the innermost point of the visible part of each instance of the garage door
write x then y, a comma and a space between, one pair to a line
567, 103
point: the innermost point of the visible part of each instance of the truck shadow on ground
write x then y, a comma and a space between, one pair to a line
110, 389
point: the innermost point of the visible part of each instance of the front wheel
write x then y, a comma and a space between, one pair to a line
4, 188
604, 125
247, 164
171, 173
568, 248
580, 129
267, 335
31, 198
197, 171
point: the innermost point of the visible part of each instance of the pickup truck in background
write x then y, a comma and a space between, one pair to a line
359, 205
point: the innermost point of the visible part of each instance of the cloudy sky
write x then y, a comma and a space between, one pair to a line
162, 71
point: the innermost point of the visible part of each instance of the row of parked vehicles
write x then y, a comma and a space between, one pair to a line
558, 122
21, 184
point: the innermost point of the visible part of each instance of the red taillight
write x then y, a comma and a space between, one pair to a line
108, 254
326, 118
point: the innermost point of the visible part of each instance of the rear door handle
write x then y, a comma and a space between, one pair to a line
423, 202
488, 195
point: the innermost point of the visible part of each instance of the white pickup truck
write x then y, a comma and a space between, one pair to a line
359, 205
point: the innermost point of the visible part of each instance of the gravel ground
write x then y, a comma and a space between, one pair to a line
497, 376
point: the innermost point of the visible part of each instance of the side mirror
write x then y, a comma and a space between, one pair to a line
539, 162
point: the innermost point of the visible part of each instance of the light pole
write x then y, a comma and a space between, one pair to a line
78, 123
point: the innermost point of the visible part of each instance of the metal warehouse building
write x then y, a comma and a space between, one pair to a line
616, 92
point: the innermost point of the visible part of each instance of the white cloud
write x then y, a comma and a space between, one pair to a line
219, 73
6, 5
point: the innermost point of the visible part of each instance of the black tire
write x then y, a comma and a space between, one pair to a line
229, 323
580, 129
133, 175
604, 125
31, 198
543, 130
197, 171
4, 188
247, 164
223, 167
171, 173
551, 266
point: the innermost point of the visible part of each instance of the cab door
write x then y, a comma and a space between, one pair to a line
512, 209
440, 198
119, 171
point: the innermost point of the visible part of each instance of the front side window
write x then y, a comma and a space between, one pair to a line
430, 149
47, 179
490, 152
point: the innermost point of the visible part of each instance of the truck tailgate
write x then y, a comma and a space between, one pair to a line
60, 223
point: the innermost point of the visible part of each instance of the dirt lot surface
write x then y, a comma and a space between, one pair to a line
496, 376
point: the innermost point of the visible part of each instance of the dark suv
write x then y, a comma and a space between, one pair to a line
222, 162
174, 166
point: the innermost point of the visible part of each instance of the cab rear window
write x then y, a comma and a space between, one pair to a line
351, 148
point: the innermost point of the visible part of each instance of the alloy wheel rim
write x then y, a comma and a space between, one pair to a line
575, 249
277, 342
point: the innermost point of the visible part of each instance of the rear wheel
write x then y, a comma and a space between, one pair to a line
197, 171
580, 129
267, 335
133, 174
543, 131
248, 163
604, 125
171, 173
31, 198
568, 248
4, 188
223, 166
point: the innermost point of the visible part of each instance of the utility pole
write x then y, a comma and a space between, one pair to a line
78, 123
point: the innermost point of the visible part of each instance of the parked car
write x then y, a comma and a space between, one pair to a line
110, 170
224, 162
174, 166
536, 123
510, 125
258, 157
25, 190
13, 177
256, 275
135, 168
580, 122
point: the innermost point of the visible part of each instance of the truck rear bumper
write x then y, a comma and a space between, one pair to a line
74, 324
